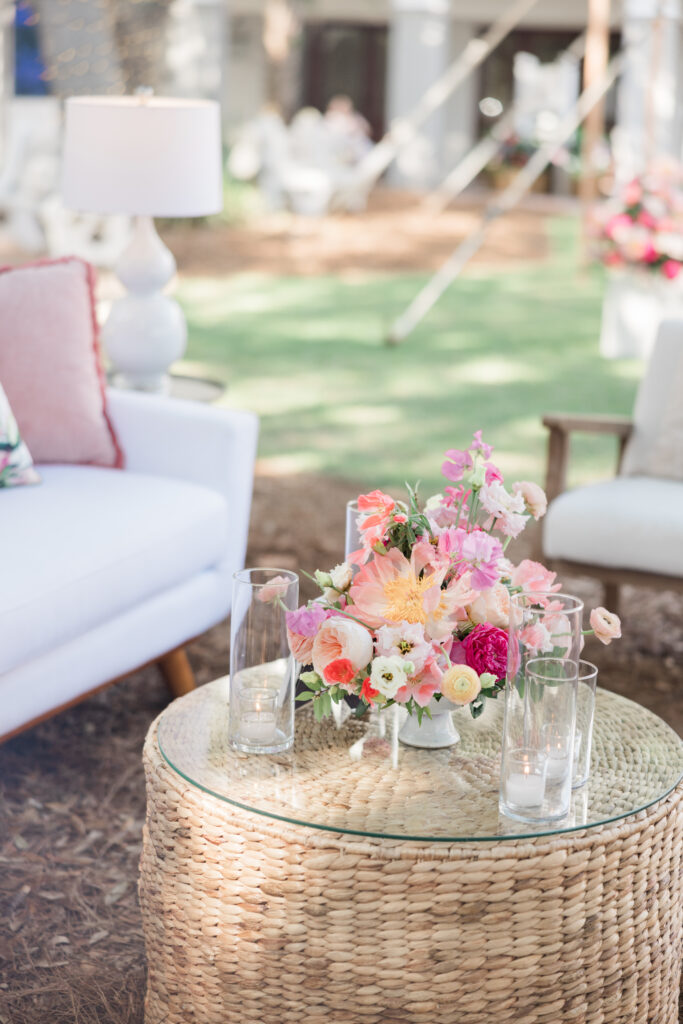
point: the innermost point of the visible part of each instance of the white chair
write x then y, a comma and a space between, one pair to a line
105, 570
628, 529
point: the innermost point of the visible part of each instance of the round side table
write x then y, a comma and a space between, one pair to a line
355, 881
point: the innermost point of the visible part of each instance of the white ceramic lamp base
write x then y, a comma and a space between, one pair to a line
145, 331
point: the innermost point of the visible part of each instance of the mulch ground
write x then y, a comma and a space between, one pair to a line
72, 798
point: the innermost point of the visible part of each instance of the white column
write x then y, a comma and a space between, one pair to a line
419, 53
461, 107
649, 117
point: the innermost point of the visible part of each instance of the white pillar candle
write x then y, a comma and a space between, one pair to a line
524, 789
257, 726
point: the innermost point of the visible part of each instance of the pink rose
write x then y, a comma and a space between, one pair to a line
486, 650
606, 625
534, 497
533, 578
536, 639
339, 637
277, 587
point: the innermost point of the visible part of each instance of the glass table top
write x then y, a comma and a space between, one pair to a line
352, 775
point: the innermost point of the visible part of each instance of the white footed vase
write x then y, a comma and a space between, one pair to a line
432, 733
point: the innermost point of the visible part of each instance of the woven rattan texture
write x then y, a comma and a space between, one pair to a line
249, 920
352, 775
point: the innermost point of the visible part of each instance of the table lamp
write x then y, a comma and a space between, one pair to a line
147, 156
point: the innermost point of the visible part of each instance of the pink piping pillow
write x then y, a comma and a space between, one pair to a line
50, 362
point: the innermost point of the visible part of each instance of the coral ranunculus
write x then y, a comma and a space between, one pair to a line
339, 671
486, 650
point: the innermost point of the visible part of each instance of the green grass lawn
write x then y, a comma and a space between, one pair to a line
501, 348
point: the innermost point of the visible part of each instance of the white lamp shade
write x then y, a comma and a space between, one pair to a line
144, 155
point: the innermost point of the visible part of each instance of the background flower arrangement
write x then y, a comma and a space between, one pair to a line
421, 610
642, 227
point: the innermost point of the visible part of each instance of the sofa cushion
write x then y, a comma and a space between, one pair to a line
50, 363
91, 543
633, 522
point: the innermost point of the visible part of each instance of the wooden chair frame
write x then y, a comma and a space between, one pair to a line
561, 428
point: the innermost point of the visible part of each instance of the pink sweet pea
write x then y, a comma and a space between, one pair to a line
480, 446
482, 551
306, 620
671, 269
456, 464
493, 474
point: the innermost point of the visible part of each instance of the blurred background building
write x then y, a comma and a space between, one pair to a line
284, 55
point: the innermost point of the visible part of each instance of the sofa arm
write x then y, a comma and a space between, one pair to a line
561, 426
202, 444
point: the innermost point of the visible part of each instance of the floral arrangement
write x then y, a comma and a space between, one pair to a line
642, 227
421, 609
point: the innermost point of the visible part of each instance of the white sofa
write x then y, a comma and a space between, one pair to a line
104, 570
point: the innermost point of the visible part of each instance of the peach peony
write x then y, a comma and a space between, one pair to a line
339, 637
492, 605
460, 684
606, 625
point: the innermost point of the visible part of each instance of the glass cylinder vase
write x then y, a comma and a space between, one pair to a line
538, 740
262, 669
352, 539
544, 645
585, 711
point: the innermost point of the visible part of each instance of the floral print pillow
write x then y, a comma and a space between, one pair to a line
16, 464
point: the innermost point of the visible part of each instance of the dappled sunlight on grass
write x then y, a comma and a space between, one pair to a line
497, 352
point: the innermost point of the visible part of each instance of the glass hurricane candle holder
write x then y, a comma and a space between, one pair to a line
540, 718
352, 540
543, 623
585, 710
262, 670
522, 783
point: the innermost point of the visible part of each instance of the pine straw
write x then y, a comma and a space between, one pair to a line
72, 791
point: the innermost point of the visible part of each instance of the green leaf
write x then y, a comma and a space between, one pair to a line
318, 710
476, 707
311, 679
307, 695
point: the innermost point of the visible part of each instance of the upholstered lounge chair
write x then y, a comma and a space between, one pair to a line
628, 529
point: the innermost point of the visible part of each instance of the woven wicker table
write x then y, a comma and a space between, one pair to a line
355, 881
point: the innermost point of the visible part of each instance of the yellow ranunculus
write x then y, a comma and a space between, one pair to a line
460, 684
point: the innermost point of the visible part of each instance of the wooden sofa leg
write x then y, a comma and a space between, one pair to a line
611, 597
176, 670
